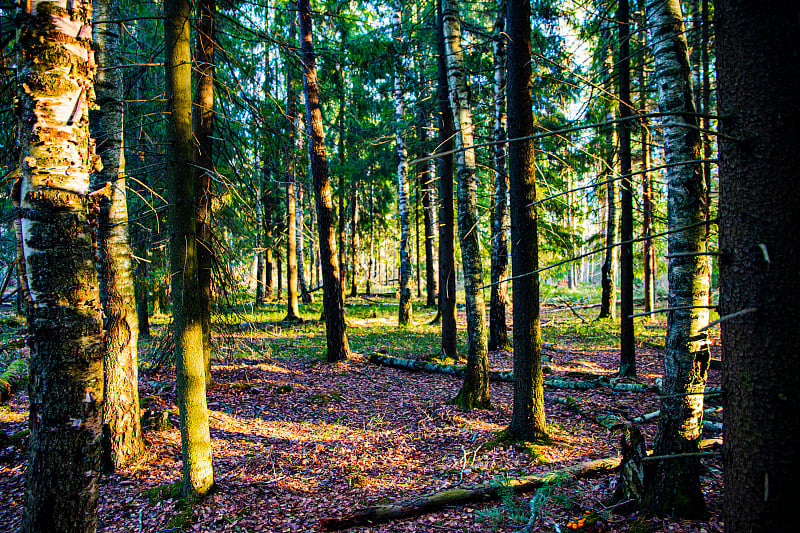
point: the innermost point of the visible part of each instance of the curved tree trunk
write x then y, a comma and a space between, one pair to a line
528, 417
338, 347
758, 66
198, 475
204, 165
122, 432
404, 306
498, 332
54, 92
447, 245
475, 391
673, 486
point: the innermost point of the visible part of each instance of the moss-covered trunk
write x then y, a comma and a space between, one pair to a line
122, 432
475, 391
54, 92
673, 486
198, 476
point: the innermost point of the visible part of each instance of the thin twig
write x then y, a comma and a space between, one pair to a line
667, 309
728, 317
679, 455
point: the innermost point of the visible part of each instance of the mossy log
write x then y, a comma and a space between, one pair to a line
15, 377
486, 491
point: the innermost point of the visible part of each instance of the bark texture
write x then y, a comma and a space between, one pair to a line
187, 330
528, 417
475, 391
122, 432
674, 486
758, 60
404, 306
338, 347
498, 301
447, 244
54, 92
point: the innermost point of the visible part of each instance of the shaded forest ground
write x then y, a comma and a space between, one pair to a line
297, 440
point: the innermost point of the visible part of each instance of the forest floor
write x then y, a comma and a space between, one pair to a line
297, 440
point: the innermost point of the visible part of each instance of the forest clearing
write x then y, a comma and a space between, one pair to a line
297, 441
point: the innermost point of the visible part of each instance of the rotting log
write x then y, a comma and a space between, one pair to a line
14, 377
484, 492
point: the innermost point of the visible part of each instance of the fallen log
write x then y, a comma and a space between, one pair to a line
14, 377
486, 491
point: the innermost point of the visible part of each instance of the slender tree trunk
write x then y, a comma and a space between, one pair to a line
758, 72
54, 92
627, 361
475, 391
447, 245
608, 282
498, 302
140, 236
429, 221
305, 295
354, 243
122, 432
268, 232
648, 253
259, 249
198, 475
673, 486
404, 306
205, 73
371, 261
338, 347
292, 309
528, 417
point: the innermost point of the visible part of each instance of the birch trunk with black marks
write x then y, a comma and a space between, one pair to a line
205, 73
122, 432
54, 92
498, 302
528, 417
475, 391
758, 72
673, 486
404, 306
447, 245
198, 475
333, 307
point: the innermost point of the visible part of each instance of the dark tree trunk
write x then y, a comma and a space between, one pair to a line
354, 243
429, 221
648, 252
122, 431
498, 332
205, 72
64, 316
338, 347
528, 417
758, 66
447, 243
267, 208
627, 360
198, 476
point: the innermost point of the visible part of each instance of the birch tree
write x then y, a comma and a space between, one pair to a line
404, 307
673, 486
475, 390
54, 92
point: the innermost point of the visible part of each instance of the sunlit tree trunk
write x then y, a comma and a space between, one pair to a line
528, 417
338, 347
259, 249
198, 476
305, 295
354, 242
498, 332
758, 73
673, 486
404, 306
205, 73
648, 252
267, 207
447, 245
292, 310
475, 390
54, 92
122, 432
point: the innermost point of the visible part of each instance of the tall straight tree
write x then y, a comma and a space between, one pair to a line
627, 358
54, 92
528, 417
427, 177
122, 432
673, 486
404, 306
758, 66
475, 390
292, 127
203, 116
648, 251
498, 332
187, 329
338, 347
447, 244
